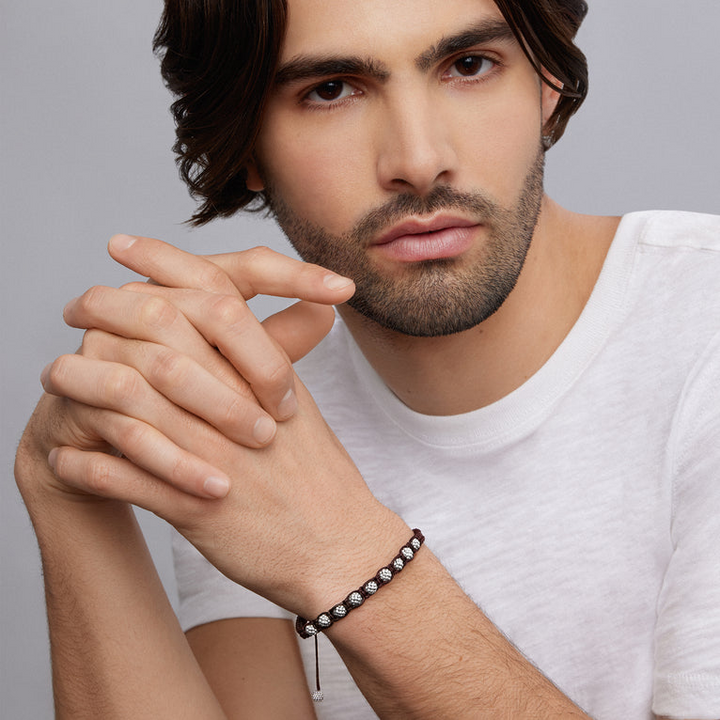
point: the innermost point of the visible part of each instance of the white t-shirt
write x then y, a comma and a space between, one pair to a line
582, 511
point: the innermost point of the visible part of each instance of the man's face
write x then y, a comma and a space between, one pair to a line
401, 147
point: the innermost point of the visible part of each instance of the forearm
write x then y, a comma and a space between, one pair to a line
117, 649
422, 649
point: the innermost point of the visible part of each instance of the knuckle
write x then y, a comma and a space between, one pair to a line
227, 311
259, 253
58, 371
121, 386
233, 412
91, 300
134, 286
256, 260
311, 270
155, 312
168, 367
212, 278
99, 474
276, 375
180, 470
130, 438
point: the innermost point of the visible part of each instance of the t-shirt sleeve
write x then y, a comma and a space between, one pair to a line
206, 595
687, 641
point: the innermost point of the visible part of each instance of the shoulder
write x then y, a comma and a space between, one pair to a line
674, 229
673, 261
660, 296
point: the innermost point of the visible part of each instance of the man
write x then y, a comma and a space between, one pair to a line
549, 427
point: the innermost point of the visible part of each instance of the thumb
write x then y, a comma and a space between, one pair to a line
299, 328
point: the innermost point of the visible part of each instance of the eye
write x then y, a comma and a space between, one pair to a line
331, 91
470, 66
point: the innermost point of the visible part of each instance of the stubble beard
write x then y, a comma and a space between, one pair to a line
431, 298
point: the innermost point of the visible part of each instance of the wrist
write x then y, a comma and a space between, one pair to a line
355, 599
353, 561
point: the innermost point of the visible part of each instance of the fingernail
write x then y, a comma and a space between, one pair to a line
44, 374
216, 487
336, 282
52, 457
264, 430
122, 242
288, 405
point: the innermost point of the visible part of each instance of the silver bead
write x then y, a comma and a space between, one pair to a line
310, 629
407, 553
317, 696
355, 599
398, 564
385, 575
324, 620
415, 544
371, 587
339, 611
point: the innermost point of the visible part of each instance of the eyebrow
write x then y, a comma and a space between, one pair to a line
484, 32
305, 67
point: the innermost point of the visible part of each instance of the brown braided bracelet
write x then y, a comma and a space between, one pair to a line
307, 628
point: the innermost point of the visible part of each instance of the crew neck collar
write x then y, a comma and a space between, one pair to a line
518, 413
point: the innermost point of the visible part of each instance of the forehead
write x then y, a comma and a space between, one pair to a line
374, 27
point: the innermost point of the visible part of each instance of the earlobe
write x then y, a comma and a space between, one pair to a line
254, 181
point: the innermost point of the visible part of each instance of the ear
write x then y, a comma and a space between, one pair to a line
254, 181
548, 97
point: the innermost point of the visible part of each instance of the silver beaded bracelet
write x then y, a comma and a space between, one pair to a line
306, 628
311, 628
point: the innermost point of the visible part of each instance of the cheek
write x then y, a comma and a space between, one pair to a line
309, 169
505, 148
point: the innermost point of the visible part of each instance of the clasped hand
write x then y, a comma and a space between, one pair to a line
179, 397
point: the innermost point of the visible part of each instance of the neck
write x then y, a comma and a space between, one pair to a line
469, 370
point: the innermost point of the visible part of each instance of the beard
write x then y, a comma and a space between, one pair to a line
430, 298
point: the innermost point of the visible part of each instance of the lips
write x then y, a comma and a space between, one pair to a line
422, 227
434, 239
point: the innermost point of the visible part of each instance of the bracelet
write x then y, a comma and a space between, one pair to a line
306, 628
355, 599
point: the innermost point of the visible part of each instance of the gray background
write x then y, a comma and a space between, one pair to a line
85, 141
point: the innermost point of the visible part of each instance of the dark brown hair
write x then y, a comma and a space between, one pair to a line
219, 57
546, 31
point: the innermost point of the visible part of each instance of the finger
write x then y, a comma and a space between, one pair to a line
116, 478
167, 265
163, 383
101, 345
226, 322
262, 271
299, 328
133, 315
150, 450
147, 316
249, 272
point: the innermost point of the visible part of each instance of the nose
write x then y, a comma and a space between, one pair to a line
415, 153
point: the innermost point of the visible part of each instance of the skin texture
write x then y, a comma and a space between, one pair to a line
436, 298
167, 377
426, 175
